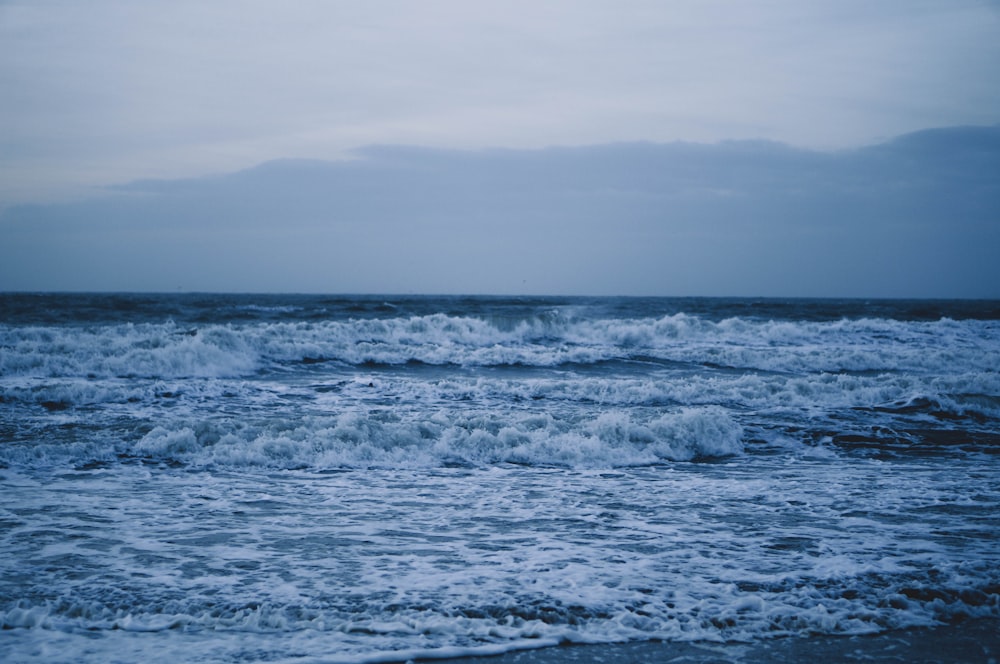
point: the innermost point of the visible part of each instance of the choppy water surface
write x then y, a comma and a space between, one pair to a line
286, 478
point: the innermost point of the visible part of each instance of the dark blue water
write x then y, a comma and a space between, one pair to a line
83, 308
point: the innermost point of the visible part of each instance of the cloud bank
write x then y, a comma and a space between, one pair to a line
918, 216
106, 91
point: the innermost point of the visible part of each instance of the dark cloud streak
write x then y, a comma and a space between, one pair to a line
918, 216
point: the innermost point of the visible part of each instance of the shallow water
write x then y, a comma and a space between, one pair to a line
242, 478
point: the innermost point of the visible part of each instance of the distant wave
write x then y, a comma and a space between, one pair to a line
169, 350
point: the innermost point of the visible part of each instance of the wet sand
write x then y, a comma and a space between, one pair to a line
970, 641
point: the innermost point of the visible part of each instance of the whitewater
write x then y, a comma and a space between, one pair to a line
264, 478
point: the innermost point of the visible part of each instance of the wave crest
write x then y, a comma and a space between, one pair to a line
383, 440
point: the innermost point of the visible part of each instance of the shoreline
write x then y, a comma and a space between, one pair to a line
973, 640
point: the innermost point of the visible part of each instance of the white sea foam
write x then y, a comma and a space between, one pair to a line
357, 565
167, 350
569, 418
383, 439
434, 485
127, 350
956, 393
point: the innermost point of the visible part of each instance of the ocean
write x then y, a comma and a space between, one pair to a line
284, 478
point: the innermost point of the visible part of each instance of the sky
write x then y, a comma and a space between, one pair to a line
674, 148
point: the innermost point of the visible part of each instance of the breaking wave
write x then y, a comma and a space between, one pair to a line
167, 350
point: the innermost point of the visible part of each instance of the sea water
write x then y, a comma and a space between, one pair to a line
363, 479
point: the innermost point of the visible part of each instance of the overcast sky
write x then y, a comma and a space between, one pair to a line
97, 95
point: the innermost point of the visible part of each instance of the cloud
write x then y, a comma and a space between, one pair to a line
106, 91
918, 216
